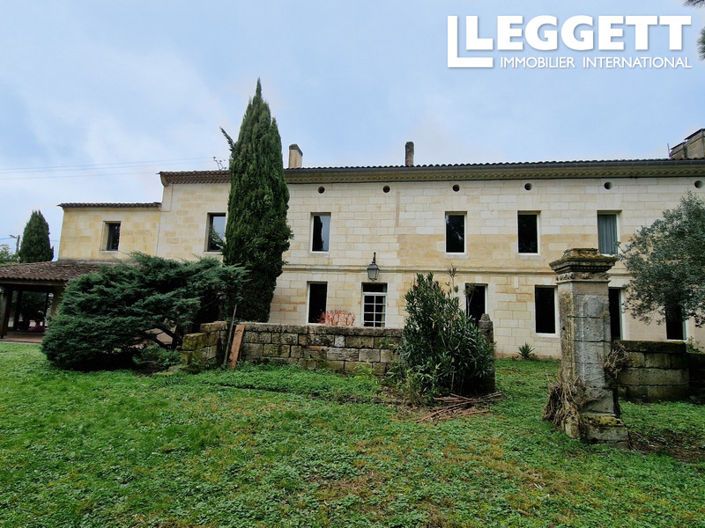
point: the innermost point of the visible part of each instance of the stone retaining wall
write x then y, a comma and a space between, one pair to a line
657, 371
204, 349
337, 348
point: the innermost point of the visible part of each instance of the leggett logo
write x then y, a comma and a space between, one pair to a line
578, 33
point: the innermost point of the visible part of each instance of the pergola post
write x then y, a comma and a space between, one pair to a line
589, 407
5, 305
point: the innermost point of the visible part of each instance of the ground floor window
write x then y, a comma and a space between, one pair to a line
675, 325
317, 295
615, 313
545, 304
475, 301
374, 304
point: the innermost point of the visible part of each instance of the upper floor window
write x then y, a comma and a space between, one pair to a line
216, 232
608, 241
320, 234
528, 232
112, 239
455, 233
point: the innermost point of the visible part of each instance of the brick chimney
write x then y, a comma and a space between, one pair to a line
692, 148
409, 159
296, 157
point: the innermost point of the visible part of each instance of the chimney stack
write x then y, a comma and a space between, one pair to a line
296, 157
409, 160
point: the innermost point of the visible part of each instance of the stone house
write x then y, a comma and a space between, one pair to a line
498, 225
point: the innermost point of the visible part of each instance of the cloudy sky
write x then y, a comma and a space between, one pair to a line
96, 97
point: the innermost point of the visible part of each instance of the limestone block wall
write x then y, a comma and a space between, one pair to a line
84, 232
184, 222
657, 371
341, 349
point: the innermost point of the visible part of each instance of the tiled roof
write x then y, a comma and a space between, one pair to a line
54, 271
107, 205
468, 171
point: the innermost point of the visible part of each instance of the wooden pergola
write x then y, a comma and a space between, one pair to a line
46, 277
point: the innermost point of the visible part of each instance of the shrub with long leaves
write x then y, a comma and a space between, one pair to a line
442, 350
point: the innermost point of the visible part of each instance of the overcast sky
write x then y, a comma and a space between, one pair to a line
96, 97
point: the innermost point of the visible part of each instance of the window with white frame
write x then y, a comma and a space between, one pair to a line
455, 233
607, 237
374, 304
528, 233
545, 304
320, 232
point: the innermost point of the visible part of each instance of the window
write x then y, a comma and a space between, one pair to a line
321, 232
216, 232
475, 299
615, 313
455, 233
317, 294
607, 233
113, 236
528, 232
675, 326
545, 301
374, 303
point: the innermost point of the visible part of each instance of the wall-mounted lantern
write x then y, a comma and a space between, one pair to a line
373, 268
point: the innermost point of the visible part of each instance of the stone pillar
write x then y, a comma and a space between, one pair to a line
583, 304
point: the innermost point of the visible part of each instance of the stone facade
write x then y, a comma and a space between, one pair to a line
399, 213
656, 371
336, 348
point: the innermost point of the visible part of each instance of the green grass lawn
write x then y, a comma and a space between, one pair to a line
284, 447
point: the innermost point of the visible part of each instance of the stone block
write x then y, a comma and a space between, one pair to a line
303, 339
360, 342
335, 366
275, 339
380, 369
251, 350
215, 326
315, 352
250, 337
342, 354
194, 341
387, 342
666, 361
369, 355
650, 377
321, 340
340, 341
270, 350
297, 351
289, 339
354, 367
666, 393
388, 356
636, 359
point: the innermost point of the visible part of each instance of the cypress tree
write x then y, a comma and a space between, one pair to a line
35, 245
256, 233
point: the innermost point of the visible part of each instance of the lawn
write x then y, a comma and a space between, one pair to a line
283, 447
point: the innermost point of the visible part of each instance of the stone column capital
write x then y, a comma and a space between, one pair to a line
582, 264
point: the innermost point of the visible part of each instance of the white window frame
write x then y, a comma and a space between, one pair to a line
464, 214
384, 305
330, 229
617, 220
555, 310
537, 214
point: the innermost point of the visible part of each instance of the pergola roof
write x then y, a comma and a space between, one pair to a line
54, 273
